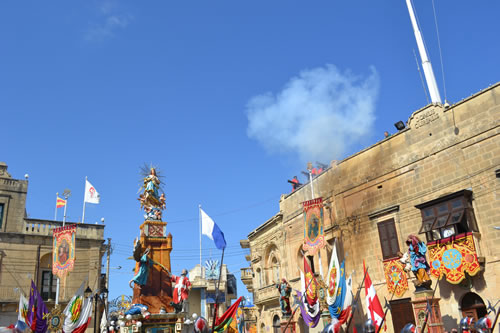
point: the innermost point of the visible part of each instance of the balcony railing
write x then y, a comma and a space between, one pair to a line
266, 294
45, 227
246, 273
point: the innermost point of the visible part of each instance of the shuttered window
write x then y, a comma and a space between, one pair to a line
388, 239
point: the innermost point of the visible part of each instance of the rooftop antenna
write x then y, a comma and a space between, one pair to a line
426, 63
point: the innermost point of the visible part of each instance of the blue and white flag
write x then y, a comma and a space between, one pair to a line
212, 230
338, 305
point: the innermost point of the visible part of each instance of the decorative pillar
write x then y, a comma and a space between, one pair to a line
291, 325
156, 293
420, 308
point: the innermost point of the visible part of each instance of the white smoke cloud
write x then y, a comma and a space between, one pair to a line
318, 114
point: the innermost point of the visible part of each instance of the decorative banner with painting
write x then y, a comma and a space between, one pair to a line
314, 238
454, 256
63, 251
395, 276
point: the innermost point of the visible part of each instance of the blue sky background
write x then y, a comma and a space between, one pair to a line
229, 98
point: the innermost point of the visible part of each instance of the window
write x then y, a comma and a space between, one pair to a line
49, 283
310, 261
1, 215
388, 239
447, 216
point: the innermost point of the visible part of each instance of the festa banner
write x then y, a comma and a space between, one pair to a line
63, 250
395, 276
453, 256
314, 238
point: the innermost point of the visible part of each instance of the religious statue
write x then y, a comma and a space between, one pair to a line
285, 290
151, 200
142, 274
145, 262
419, 265
181, 290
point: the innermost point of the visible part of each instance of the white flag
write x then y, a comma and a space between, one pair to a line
91, 195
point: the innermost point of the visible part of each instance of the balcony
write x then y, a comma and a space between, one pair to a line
267, 294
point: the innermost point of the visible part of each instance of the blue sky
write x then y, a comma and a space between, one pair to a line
228, 98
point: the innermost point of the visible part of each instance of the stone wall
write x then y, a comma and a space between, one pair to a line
441, 151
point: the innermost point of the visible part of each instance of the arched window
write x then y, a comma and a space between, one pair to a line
259, 278
276, 270
276, 324
48, 281
472, 305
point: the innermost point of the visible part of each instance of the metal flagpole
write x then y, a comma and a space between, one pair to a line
217, 290
356, 300
84, 194
55, 214
311, 181
199, 216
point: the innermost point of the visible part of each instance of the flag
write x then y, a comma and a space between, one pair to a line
338, 305
77, 312
346, 308
310, 314
60, 202
91, 195
23, 309
31, 315
374, 308
309, 303
104, 322
212, 230
223, 322
333, 276
37, 311
310, 283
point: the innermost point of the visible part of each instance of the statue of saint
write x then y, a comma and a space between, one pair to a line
151, 200
285, 290
142, 273
181, 290
419, 265
144, 264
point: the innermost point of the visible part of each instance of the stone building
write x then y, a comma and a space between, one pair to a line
201, 298
438, 178
26, 252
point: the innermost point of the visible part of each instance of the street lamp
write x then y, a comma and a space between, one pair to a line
100, 295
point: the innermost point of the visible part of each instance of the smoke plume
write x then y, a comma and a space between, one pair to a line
319, 114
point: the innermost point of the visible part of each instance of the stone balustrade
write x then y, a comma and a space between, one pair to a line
45, 227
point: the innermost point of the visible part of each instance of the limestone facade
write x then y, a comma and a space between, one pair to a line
26, 252
441, 152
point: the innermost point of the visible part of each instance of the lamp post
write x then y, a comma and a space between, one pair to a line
99, 296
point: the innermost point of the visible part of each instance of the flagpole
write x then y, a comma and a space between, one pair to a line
217, 289
356, 299
55, 214
388, 307
84, 193
199, 218
298, 306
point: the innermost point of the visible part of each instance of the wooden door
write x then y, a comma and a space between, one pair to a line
402, 313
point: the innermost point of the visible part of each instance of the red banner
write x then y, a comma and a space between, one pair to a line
63, 250
453, 256
314, 238
397, 281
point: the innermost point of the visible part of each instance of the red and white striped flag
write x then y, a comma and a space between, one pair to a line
374, 308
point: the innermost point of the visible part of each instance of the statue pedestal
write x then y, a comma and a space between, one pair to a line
158, 289
291, 325
434, 323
